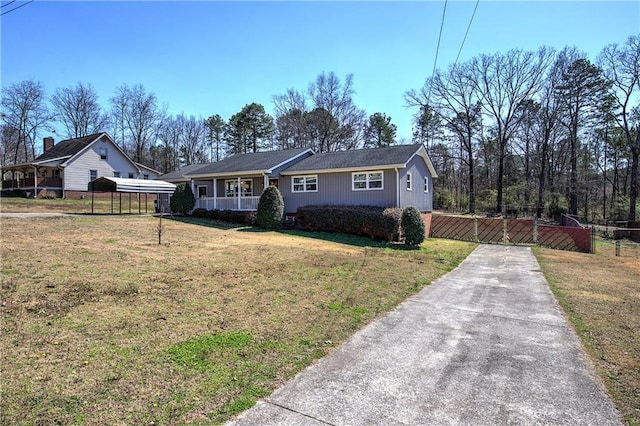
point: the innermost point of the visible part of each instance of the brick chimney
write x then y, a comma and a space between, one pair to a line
48, 143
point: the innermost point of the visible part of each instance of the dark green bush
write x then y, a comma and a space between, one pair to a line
199, 213
182, 201
413, 226
375, 222
270, 209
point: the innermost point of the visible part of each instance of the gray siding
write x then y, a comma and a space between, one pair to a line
336, 189
76, 173
416, 197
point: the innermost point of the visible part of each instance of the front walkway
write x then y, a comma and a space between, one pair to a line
484, 345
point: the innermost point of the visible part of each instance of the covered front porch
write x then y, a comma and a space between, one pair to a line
230, 193
31, 179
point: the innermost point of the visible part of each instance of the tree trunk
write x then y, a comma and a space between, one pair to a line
573, 183
633, 191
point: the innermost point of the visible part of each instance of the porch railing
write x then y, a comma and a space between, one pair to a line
48, 182
227, 203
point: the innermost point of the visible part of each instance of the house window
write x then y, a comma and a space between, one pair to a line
56, 173
116, 174
273, 182
202, 191
93, 175
130, 175
103, 153
408, 181
304, 184
145, 176
362, 181
426, 184
246, 187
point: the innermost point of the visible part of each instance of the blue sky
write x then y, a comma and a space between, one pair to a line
209, 57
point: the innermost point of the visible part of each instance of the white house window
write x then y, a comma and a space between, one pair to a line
202, 191
232, 188
130, 175
304, 183
426, 184
93, 175
145, 176
103, 153
362, 181
408, 181
116, 174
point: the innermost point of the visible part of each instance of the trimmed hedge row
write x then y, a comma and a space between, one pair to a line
381, 223
230, 216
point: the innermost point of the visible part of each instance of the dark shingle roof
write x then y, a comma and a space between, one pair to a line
255, 161
372, 157
179, 175
68, 148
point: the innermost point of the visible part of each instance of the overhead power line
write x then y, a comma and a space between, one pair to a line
435, 61
15, 8
467, 32
7, 4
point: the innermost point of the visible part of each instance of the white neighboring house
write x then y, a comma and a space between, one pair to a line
67, 168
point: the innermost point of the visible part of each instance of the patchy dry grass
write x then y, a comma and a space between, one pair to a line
601, 295
101, 325
128, 204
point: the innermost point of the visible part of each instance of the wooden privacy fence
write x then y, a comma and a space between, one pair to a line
513, 231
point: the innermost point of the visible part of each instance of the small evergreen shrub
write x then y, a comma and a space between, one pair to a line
199, 213
413, 226
182, 201
381, 223
270, 209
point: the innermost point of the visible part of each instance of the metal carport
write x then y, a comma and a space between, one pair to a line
130, 186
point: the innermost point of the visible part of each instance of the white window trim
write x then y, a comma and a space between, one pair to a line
91, 174
367, 181
235, 182
293, 178
116, 174
103, 152
426, 184
198, 191
409, 182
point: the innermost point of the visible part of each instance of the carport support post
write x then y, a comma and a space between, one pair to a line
112, 203
92, 192
120, 207
535, 230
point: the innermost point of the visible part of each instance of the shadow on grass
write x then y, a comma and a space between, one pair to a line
352, 240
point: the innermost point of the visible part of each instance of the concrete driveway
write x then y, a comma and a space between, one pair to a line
484, 345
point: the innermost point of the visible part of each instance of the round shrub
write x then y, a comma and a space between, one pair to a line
270, 209
413, 226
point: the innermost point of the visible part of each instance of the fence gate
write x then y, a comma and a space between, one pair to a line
512, 231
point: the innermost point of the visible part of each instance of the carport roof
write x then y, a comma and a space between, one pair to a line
112, 184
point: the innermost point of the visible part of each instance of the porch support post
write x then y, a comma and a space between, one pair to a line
215, 193
266, 181
35, 181
239, 192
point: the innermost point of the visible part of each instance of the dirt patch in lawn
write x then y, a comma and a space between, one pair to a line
601, 295
101, 325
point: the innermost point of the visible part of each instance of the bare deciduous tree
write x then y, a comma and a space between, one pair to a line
505, 80
621, 65
24, 110
78, 110
137, 119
